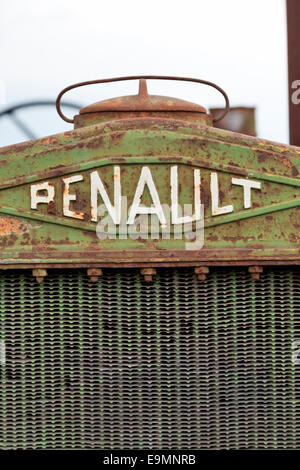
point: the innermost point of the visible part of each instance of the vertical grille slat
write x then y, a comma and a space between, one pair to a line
177, 363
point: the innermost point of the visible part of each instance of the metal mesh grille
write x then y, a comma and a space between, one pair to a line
177, 364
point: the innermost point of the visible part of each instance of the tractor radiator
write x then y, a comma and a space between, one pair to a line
175, 364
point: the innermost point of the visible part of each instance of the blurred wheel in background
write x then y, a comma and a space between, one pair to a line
31, 120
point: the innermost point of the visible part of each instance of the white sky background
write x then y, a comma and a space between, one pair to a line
239, 44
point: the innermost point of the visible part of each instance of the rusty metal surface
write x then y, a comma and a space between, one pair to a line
238, 119
293, 36
143, 103
89, 119
267, 233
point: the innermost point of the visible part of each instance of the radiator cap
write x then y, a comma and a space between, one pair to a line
143, 102
141, 105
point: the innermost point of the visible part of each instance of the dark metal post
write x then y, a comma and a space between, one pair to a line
293, 29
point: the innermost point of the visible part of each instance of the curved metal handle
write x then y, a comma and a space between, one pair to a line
137, 77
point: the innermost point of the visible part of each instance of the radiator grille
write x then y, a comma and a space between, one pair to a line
177, 364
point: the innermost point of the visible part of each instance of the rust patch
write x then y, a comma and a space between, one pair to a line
9, 225
287, 162
51, 208
293, 238
262, 157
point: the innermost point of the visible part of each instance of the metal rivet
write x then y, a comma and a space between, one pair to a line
255, 272
39, 274
202, 272
94, 274
148, 273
